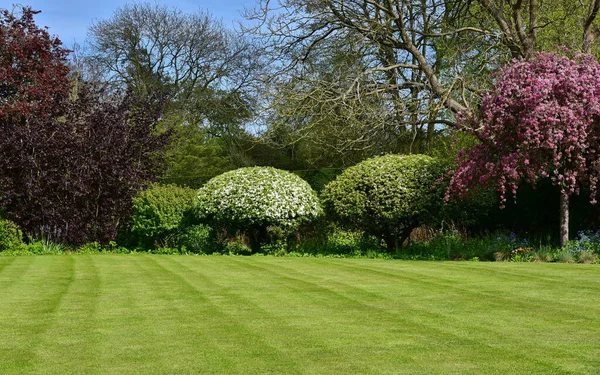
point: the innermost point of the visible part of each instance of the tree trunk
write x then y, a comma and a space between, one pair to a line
256, 237
564, 218
390, 242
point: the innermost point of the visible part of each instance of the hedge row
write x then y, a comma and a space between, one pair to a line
384, 197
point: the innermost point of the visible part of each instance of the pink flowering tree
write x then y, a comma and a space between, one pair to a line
541, 120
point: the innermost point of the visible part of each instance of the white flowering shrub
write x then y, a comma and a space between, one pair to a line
252, 199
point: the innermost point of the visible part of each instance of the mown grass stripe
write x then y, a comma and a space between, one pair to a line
27, 312
299, 311
147, 314
12, 272
258, 352
440, 283
71, 336
129, 313
356, 311
481, 331
277, 328
5, 262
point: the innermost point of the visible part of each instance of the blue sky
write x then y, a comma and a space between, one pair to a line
69, 19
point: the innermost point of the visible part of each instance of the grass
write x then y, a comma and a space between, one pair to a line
152, 314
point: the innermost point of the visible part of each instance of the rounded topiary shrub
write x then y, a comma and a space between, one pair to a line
250, 200
387, 196
159, 213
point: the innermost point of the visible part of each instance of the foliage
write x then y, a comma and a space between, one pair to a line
330, 240
387, 196
150, 46
319, 178
252, 199
11, 237
195, 159
197, 239
33, 70
159, 212
71, 178
584, 248
455, 245
540, 120
45, 246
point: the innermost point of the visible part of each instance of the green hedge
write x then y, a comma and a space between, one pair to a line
160, 213
11, 237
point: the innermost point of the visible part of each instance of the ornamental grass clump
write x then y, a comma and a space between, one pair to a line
250, 200
387, 196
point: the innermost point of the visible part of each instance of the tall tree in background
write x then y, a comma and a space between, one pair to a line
426, 59
33, 70
204, 69
69, 164
71, 178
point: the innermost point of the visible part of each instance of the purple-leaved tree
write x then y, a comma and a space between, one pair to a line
541, 120
70, 162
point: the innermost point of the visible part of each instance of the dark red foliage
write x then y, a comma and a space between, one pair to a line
72, 178
68, 166
33, 73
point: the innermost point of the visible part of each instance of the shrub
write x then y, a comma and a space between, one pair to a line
159, 213
195, 239
250, 200
341, 242
387, 196
11, 237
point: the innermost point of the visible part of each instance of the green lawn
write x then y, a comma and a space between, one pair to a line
149, 314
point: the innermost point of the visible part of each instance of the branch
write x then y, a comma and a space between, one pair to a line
590, 35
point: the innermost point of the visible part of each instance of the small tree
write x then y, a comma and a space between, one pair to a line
387, 196
541, 120
252, 199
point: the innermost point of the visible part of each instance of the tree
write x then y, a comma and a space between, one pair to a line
33, 70
203, 68
71, 178
306, 118
149, 46
387, 196
426, 59
541, 120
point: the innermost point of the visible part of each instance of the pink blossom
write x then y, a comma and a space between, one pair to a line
541, 119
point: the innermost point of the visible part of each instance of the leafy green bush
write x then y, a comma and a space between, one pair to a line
11, 237
250, 200
196, 239
387, 196
332, 240
159, 213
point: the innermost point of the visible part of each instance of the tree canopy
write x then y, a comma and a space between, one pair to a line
541, 120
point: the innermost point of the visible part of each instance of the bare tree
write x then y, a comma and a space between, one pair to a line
151, 46
429, 59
